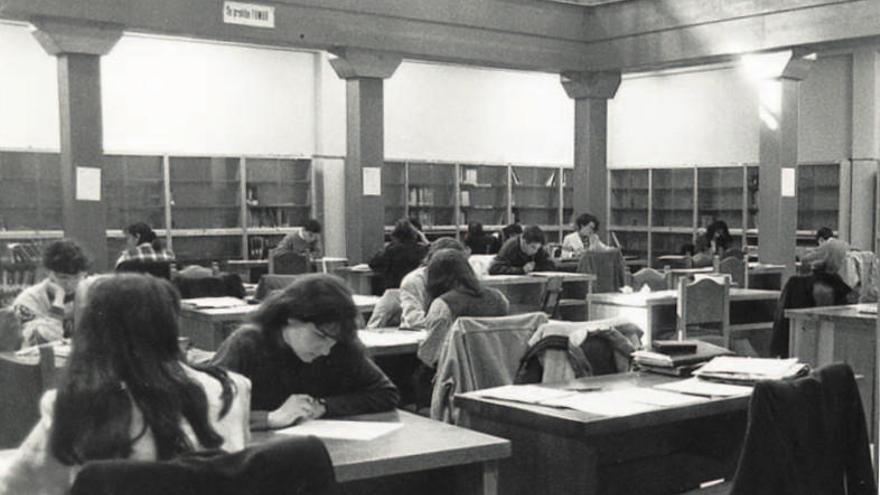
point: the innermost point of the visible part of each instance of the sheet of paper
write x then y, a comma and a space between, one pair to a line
611, 403
372, 181
213, 302
788, 182
751, 369
342, 430
705, 388
386, 339
88, 184
530, 394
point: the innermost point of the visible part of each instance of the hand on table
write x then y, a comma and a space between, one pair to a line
296, 408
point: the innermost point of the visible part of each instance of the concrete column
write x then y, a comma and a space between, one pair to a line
778, 151
78, 46
861, 200
363, 72
591, 91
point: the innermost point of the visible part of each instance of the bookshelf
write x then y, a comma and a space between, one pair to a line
205, 192
483, 195
277, 192
30, 191
394, 191
535, 193
676, 208
431, 191
133, 191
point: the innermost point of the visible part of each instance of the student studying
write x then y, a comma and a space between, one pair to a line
126, 393
302, 355
522, 254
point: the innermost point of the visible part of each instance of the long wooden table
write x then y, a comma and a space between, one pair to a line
561, 451
833, 334
751, 310
423, 456
761, 275
208, 327
524, 292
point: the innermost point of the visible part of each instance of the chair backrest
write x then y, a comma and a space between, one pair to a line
607, 265
288, 263
551, 297
10, 330
161, 269
738, 270
480, 353
822, 415
261, 469
703, 311
271, 283
654, 279
23, 381
224, 284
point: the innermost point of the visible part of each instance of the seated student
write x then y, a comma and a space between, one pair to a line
305, 241
702, 253
45, 310
454, 291
584, 238
522, 254
511, 230
126, 392
480, 242
143, 245
402, 255
414, 298
303, 357
829, 256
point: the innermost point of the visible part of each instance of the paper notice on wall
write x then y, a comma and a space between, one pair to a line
249, 14
88, 184
788, 182
372, 181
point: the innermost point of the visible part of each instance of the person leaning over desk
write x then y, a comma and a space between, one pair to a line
414, 299
584, 238
45, 310
142, 244
303, 357
522, 254
126, 393
305, 241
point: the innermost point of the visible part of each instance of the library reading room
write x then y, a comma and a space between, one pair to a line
439, 247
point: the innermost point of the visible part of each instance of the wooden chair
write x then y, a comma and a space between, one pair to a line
552, 296
288, 264
738, 270
654, 279
23, 381
703, 307
160, 269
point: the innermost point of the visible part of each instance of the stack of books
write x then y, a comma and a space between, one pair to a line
748, 371
677, 358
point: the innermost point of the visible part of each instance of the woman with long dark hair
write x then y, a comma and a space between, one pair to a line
454, 291
402, 255
127, 393
303, 356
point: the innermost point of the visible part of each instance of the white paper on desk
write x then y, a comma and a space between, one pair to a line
213, 302
705, 388
342, 430
749, 369
529, 394
611, 403
372, 338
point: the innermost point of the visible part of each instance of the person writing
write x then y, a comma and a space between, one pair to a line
126, 393
522, 254
829, 256
303, 357
45, 310
306, 241
414, 298
584, 238
143, 245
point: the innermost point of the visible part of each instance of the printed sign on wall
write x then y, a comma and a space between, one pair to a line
249, 14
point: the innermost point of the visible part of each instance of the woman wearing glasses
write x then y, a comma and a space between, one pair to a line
303, 357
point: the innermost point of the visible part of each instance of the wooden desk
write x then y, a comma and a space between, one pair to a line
392, 341
751, 310
831, 334
207, 328
667, 450
359, 278
761, 275
423, 456
250, 271
524, 292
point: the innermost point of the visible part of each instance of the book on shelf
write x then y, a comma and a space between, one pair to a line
550, 180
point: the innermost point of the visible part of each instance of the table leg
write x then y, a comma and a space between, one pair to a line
490, 478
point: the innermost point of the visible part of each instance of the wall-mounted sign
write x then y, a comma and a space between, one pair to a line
88, 184
249, 14
372, 181
789, 183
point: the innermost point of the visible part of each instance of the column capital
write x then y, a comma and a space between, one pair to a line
58, 35
793, 65
355, 63
590, 84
